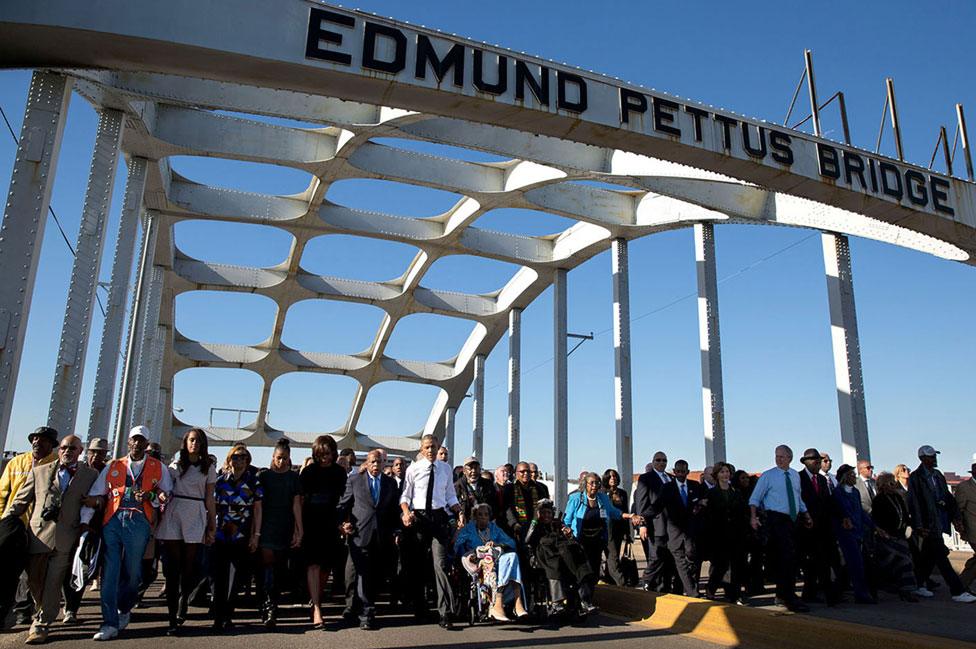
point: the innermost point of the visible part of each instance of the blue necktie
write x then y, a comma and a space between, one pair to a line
374, 484
684, 495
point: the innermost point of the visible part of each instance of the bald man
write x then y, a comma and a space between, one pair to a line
55, 491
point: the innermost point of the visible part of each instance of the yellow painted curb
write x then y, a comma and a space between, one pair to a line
730, 625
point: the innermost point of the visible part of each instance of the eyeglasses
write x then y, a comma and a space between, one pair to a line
522, 471
238, 456
69, 448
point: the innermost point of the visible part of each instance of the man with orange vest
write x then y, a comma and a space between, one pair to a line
131, 488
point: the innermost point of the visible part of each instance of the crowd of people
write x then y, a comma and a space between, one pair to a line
418, 530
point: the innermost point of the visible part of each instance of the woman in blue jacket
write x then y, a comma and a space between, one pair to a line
588, 514
853, 528
500, 571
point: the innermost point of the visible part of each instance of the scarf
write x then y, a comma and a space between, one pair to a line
521, 510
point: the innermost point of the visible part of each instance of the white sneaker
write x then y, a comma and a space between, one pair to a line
70, 617
924, 592
124, 619
106, 633
964, 598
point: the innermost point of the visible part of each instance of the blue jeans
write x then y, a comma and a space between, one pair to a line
124, 540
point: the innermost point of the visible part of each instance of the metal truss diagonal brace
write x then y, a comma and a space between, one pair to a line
847, 349
76, 328
24, 217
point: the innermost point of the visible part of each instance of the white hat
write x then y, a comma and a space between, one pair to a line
139, 431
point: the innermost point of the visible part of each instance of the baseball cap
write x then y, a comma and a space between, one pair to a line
471, 460
139, 431
927, 451
43, 431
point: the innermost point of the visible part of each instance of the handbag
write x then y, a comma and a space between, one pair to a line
628, 566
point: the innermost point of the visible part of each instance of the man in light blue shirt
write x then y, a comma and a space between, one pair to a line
778, 494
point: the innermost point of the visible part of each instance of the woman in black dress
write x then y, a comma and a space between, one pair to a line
323, 483
619, 530
728, 521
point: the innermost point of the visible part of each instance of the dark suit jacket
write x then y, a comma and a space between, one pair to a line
371, 521
484, 492
511, 516
923, 501
645, 496
681, 518
819, 506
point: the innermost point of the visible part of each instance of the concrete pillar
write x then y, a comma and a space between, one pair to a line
514, 383
130, 369
709, 338
99, 420
24, 218
560, 400
76, 328
847, 349
449, 416
478, 409
623, 410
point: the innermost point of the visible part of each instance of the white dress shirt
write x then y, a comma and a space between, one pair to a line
415, 485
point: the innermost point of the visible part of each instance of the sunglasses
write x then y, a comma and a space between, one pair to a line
238, 456
69, 448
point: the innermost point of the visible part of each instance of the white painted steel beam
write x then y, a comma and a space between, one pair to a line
560, 442
130, 367
75, 330
110, 347
847, 349
450, 414
146, 377
709, 339
514, 385
622, 403
24, 218
478, 409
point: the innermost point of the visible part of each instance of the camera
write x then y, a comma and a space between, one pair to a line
51, 512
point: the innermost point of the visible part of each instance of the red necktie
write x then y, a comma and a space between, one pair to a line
816, 485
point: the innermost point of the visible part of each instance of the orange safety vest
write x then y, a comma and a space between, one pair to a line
152, 473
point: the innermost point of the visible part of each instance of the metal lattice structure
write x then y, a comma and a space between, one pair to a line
163, 88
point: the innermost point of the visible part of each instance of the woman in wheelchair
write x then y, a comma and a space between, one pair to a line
488, 554
561, 558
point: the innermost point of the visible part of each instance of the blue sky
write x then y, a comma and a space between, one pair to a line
915, 311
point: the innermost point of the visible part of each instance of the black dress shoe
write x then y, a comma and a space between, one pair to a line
794, 605
445, 623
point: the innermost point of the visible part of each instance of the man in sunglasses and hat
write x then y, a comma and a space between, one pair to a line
42, 441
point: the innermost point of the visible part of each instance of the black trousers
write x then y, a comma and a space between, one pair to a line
932, 553
818, 557
659, 569
363, 570
727, 556
781, 549
227, 590
614, 543
430, 532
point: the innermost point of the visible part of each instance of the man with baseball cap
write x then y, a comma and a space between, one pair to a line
130, 488
42, 441
933, 508
966, 501
473, 490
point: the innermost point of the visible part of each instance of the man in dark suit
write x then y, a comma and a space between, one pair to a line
473, 490
369, 510
817, 544
682, 500
654, 532
536, 476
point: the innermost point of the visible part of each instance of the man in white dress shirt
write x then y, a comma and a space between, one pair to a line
428, 494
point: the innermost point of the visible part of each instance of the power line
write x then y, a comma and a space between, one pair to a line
50, 209
688, 296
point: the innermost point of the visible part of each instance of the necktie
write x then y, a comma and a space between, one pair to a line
429, 503
790, 495
374, 489
816, 484
684, 495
